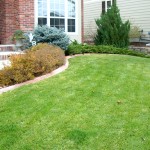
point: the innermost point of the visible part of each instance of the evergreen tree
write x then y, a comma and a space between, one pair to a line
111, 30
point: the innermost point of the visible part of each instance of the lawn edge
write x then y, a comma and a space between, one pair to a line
53, 73
40, 78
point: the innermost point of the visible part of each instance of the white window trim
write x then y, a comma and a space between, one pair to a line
66, 14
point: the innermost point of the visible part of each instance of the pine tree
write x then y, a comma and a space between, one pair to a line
111, 30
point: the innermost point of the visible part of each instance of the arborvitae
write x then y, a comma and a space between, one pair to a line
111, 30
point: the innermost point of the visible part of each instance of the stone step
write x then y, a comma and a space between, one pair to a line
4, 63
10, 47
6, 55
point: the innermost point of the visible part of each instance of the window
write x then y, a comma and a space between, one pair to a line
103, 7
57, 13
106, 5
42, 12
71, 15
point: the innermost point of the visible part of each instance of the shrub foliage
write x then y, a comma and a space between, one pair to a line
41, 59
108, 49
111, 30
51, 35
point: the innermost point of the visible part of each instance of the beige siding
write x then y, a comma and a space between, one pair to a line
92, 11
137, 11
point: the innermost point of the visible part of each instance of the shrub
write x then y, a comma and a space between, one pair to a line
51, 35
41, 59
81, 49
17, 35
134, 32
111, 30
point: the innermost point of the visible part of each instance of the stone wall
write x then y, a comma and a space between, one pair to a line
141, 49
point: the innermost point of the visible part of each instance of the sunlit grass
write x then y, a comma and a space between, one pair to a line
101, 102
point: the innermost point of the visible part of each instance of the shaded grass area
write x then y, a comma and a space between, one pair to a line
99, 102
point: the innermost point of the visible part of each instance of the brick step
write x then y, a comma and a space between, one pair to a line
10, 47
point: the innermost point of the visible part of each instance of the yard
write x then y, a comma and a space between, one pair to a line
101, 102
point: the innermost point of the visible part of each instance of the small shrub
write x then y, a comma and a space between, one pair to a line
134, 32
41, 59
18, 34
51, 35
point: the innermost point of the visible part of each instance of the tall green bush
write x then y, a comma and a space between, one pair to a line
111, 30
51, 35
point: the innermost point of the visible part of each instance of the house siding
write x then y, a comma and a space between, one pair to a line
92, 11
137, 11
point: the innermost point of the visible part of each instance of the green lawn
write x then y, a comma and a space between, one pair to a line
101, 102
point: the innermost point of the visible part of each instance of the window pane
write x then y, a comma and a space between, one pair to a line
56, 13
108, 4
42, 7
52, 22
52, 13
57, 8
57, 22
71, 22
71, 25
42, 21
103, 7
61, 13
71, 8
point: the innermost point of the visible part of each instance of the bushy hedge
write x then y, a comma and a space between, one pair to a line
41, 59
51, 35
84, 48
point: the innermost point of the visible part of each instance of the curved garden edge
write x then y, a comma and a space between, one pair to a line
37, 79
40, 78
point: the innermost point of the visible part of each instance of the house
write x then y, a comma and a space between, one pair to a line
77, 17
27, 14
136, 11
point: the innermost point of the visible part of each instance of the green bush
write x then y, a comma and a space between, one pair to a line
41, 59
81, 49
111, 30
51, 35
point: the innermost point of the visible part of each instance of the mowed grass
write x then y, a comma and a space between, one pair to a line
101, 102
